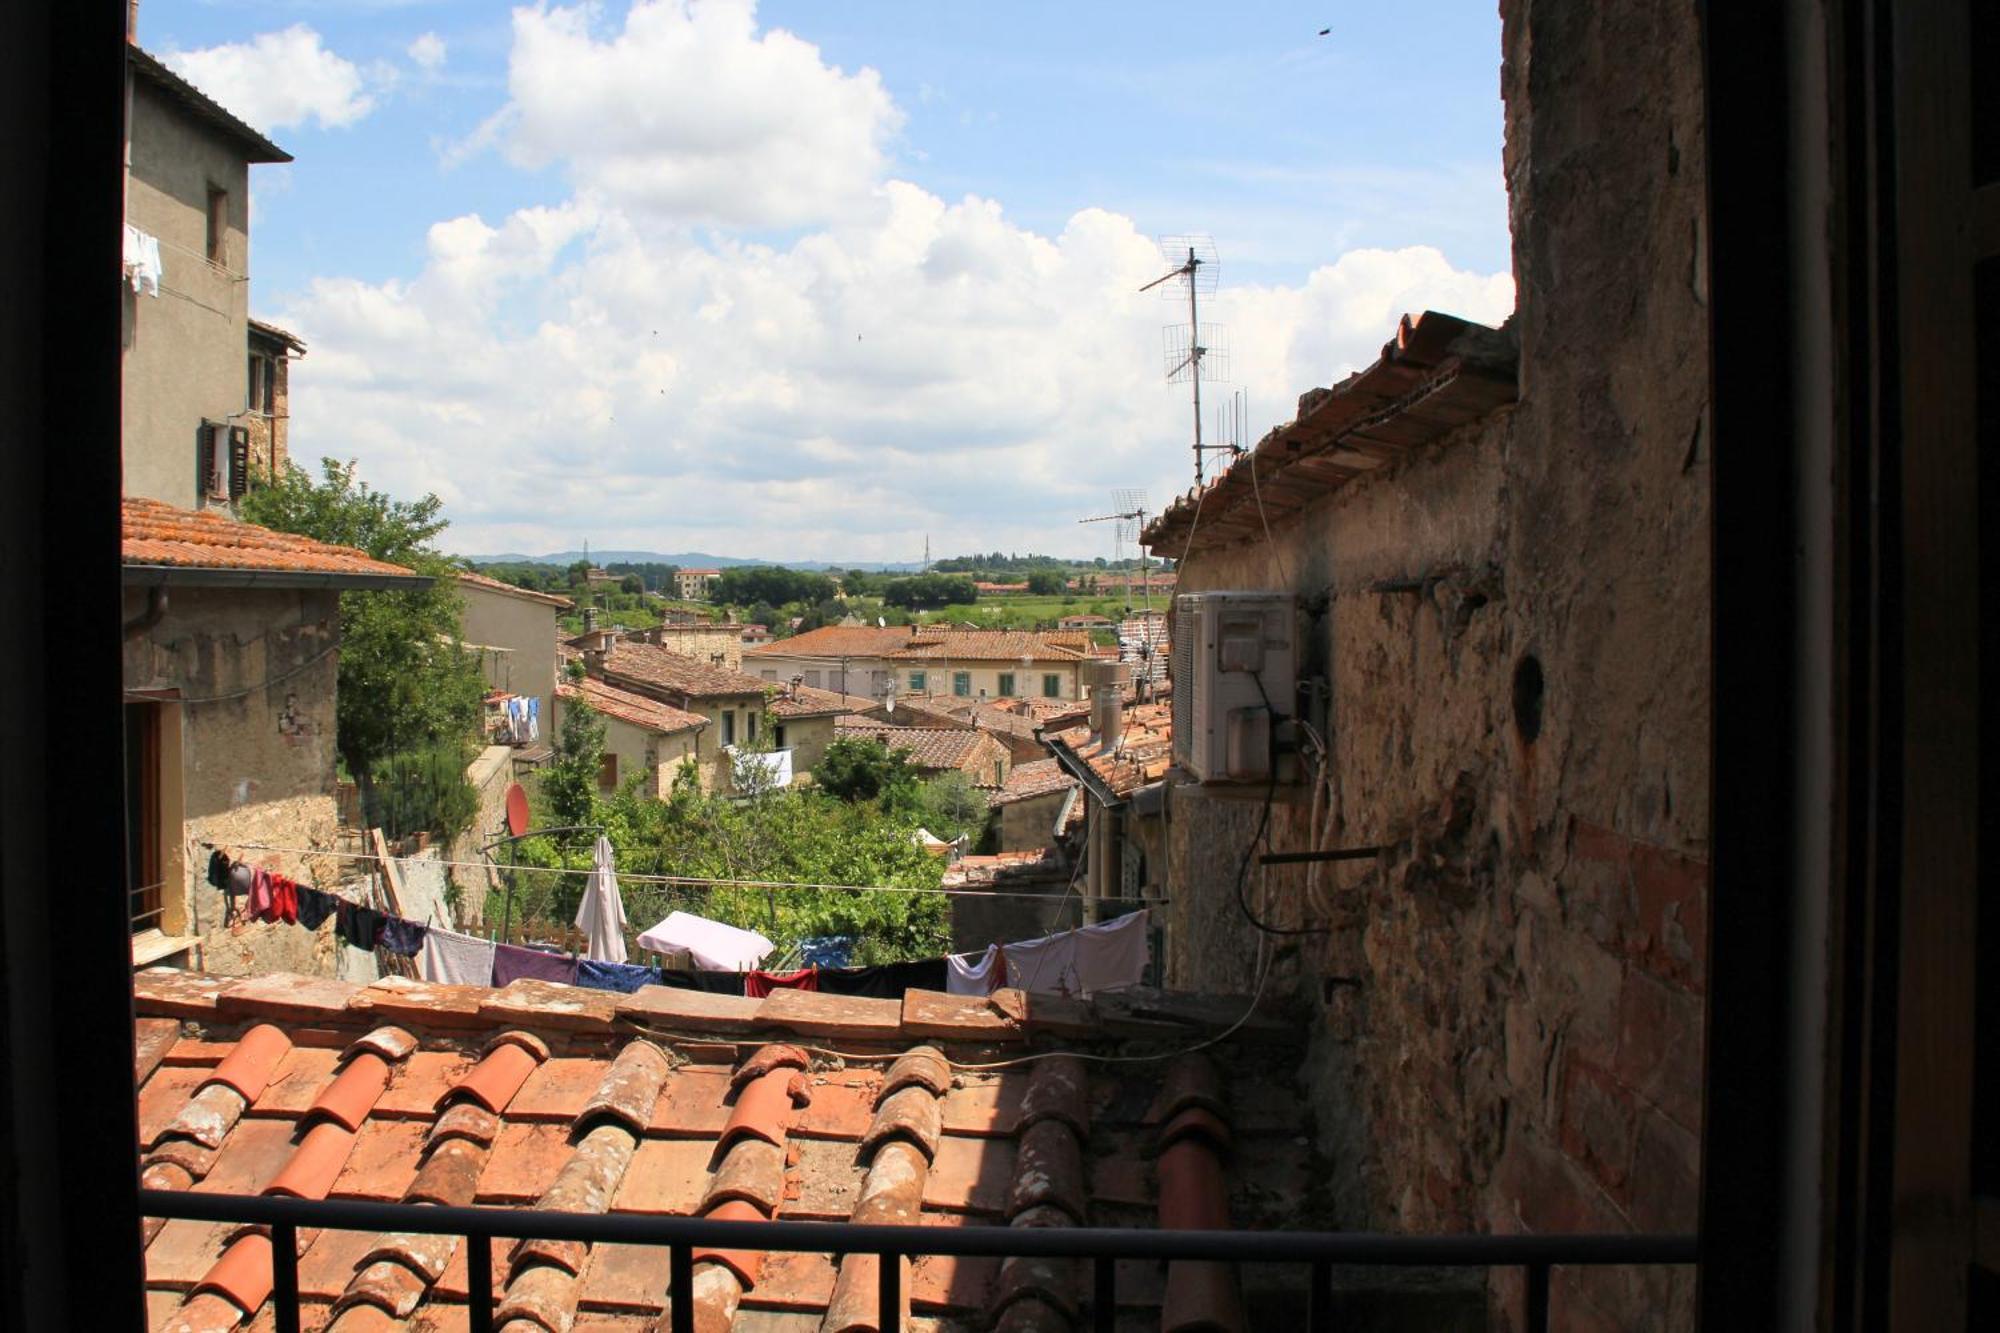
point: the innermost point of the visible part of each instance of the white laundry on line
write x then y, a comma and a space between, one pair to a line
711, 944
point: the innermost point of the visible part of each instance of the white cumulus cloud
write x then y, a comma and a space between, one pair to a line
278, 79
428, 51
688, 112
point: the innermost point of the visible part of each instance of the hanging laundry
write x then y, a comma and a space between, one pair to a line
534, 720
966, 977
142, 261
284, 899
261, 896
710, 943
622, 977
218, 868
241, 880
757, 985
512, 962
601, 915
358, 926
1108, 955
401, 937
315, 907
887, 982
713, 981
454, 959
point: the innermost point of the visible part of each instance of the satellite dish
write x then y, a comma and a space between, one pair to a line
517, 809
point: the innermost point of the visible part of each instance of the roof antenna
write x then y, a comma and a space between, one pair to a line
1190, 358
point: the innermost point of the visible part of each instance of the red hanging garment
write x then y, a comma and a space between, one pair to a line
757, 985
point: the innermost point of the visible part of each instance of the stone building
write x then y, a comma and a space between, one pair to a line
231, 657
514, 630
642, 736
191, 409
268, 397
1497, 541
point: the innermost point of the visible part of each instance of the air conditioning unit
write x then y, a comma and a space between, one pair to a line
1235, 664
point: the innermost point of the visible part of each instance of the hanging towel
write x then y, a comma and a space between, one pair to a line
1112, 955
1108, 955
315, 907
967, 977
757, 985
713, 981
513, 963
455, 959
262, 894
284, 899
710, 943
601, 915
534, 720
360, 926
142, 260
241, 880
623, 977
887, 982
401, 937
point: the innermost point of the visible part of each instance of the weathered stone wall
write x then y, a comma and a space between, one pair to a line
491, 773
1028, 825
252, 676
1514, 623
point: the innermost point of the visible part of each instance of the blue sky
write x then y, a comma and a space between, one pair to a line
628, 246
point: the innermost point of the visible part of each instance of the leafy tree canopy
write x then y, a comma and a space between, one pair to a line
775, 584
924, 591
406, 683
856, 768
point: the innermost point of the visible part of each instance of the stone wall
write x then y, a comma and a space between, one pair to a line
1508, 1004
246, 680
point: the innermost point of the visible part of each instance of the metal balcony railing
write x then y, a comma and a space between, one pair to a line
1316, 1251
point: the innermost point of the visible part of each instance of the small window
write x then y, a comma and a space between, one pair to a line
253, 397
607, 774
750, 726
778, 735
1052, 687
1006, 685
961, 684
729, 727
916, 682
218, 223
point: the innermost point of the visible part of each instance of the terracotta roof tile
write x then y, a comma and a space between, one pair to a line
1038, 777
900, 1136
156, 533
933, 749
474, 579
654, 716
647, 666
1144, 753
805, 701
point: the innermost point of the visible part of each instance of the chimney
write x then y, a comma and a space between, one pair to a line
589, 619
593, 659
1107, 703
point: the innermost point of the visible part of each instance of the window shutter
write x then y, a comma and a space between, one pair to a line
239, 461
204, 458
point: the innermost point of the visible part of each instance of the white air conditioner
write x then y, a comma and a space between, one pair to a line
1235, 664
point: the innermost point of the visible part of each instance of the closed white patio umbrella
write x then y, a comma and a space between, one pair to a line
601, 916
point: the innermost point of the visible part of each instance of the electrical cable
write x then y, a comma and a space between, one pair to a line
672, 881
1263, 826
1284, 578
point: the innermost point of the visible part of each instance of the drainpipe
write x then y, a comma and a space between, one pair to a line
156, 609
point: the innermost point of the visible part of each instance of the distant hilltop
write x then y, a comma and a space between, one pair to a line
687, 560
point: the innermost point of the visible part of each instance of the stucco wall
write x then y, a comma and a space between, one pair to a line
985, 679
526, 630
640, 751
186, 349
806, 737
1508, 1006
1030, 824
254, 674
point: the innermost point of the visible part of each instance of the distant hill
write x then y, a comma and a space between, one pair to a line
685, 559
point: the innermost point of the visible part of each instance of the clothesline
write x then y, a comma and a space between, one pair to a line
677, 881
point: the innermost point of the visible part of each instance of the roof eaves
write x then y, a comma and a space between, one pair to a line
208, 576
203, 107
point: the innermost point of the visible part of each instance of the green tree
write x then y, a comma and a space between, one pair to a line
406, 680
569, 782
775, 584
925, 591
950, 806
856, 768
1046, 583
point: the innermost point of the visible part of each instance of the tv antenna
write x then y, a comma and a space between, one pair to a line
1128, 513
1194, 354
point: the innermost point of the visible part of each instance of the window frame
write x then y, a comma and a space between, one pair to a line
1006, 690
1052, 685
918, 681
961, 684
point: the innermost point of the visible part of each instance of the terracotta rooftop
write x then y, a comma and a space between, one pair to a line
163, 541
1039, 777
669, 1101
917, 643
931, 748
272, 333
1144, 753
647, 665
985, 871
1438, 373
637, 709
805, 701
472, 579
